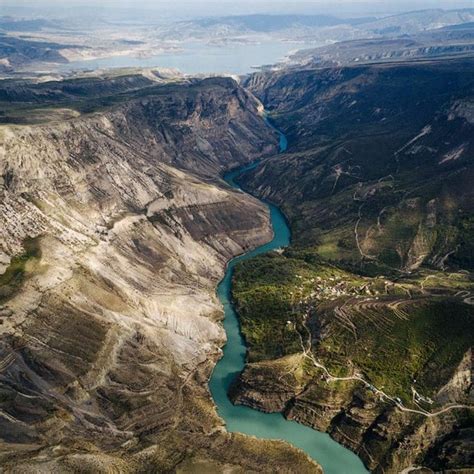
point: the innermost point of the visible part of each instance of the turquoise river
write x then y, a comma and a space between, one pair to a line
333, 457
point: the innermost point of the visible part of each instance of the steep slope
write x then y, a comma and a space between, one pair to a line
365, 327
115, 229
362, 139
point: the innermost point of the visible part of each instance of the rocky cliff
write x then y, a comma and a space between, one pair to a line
115, 228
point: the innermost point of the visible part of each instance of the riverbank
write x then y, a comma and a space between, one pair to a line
331, 456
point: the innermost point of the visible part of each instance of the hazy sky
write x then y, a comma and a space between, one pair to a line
203, 7
157, 3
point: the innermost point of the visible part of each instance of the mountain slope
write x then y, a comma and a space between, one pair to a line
362, 139
364, 327
115, 228
451, 41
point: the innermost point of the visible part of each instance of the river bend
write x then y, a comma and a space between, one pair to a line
333, 457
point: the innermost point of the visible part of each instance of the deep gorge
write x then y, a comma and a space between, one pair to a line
116, 226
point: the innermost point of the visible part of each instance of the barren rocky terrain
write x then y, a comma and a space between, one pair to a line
114, 231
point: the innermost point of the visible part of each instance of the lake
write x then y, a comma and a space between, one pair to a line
199, 57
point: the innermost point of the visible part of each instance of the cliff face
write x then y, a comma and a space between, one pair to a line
387, 439
381, 158
365, 325
114, 230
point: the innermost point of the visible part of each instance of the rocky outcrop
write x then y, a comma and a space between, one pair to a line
387, 439
115, 228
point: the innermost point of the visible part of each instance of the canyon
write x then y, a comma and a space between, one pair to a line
115, 229
116, 225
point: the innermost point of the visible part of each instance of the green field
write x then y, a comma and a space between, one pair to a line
391, 331
15, 274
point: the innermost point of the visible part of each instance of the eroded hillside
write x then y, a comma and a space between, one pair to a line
114, 230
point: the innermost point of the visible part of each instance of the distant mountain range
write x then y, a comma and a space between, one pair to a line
269, 23
405, 23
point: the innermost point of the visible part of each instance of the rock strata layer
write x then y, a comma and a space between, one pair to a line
114, 231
